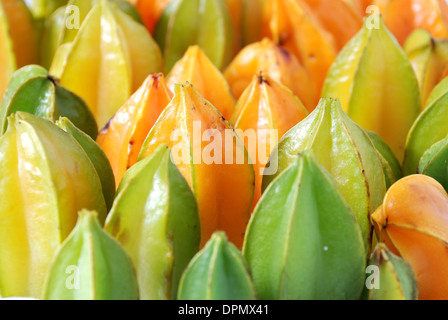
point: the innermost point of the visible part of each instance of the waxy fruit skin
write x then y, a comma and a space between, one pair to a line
217, 272
83, 7
42, 9
376, 84
315, 249
344, 149
394, 276
108, 59
18, 39
212, 159
402, 17
150, 11
338, 18
33, 90
433, 162
51, 37
45, 179
430, 127
360, 6
91, 265
413, 223
96, 156
264, 107
429, 59
391, 166
196, 68
246, 16
155, 218
7, 60
291, 24
277, 62
205, 23
124, 134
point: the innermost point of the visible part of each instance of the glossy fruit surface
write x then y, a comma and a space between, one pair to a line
413, 223
211, 158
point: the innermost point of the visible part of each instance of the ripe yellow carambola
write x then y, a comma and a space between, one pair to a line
123, 136
429, 59
404, 16
18, 39
376, 84
267, 110
290, 23
277, 62
413, 223
46, 177
108, 59
337, 17
196, 68
211, 158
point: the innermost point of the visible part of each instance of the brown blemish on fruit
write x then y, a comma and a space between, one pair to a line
53, 80
106, 127
285, 53
262, 80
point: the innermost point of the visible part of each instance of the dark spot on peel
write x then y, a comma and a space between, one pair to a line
156, 79
379, 258
433, 42
359, 155
53, 80
286, 54
106, 127
262, 80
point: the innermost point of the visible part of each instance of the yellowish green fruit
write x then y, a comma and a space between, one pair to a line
109, 58
344, 150
96, 156
205, 23
376, 85
429, 59
91, 265
45, 179
155, 218
303, 241
429, 128
217, 272
32, 89
391, 278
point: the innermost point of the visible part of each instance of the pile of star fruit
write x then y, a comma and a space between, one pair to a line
224, 149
